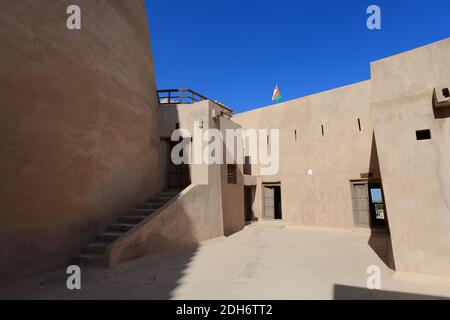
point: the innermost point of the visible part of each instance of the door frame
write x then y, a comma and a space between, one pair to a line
369, 182
270, 184
353, 183
376, 183
185, 173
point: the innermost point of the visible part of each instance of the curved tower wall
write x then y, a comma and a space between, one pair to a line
78, 127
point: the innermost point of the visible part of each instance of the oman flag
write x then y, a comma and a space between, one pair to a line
276, 94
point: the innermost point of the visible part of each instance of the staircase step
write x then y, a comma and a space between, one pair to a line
151, 205
122, 227
160, 199
169, 192
96, 247
109, 236
93, 253
141, 212
89, 259
131, 219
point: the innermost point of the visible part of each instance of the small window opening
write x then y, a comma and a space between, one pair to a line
359, 124
423, 134
248, 166
446, 92
323, 131
267, 139
177, 126
295, 135
232, 174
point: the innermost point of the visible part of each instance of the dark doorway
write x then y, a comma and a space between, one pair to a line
278, 203
249, 196
369, 211
377, 208
272, 201
178, 176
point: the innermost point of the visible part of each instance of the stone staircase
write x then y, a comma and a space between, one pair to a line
94, 253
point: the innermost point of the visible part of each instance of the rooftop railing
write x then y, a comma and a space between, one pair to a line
184, 96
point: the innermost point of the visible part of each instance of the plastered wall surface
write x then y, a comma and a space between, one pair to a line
194, 216
185, 115
340, 155
232, 194
78, 127
416, 174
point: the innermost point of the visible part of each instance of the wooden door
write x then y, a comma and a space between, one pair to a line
178, 175
361, 206
269, 203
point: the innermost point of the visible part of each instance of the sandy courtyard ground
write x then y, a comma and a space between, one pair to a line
264, 261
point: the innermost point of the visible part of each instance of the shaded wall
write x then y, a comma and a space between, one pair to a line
232, 194
416, 174
185, 116
340, 155
193, 216
78, 128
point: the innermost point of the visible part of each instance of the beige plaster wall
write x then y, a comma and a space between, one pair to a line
78, 127
416, 174
194, 216
232, 194
185, 115
342, 154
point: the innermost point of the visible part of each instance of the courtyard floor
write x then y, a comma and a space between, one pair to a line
264, 261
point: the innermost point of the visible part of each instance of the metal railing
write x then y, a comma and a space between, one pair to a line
184, 96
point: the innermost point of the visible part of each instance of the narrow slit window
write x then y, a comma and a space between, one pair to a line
295, 135
423, 134
323, 131
359, 124
248, 166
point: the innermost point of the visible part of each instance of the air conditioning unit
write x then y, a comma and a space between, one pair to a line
441, 97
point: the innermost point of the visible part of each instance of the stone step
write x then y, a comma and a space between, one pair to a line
160, 199
96, 247
89, 259
121, 227
151, 205
140, 212
93, 253
169, 193
131, 219
109, 236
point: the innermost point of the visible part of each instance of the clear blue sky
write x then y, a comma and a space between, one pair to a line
235, 51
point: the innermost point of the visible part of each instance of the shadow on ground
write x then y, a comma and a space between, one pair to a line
131, 280
342, 292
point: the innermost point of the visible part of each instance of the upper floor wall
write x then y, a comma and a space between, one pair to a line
326, 140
